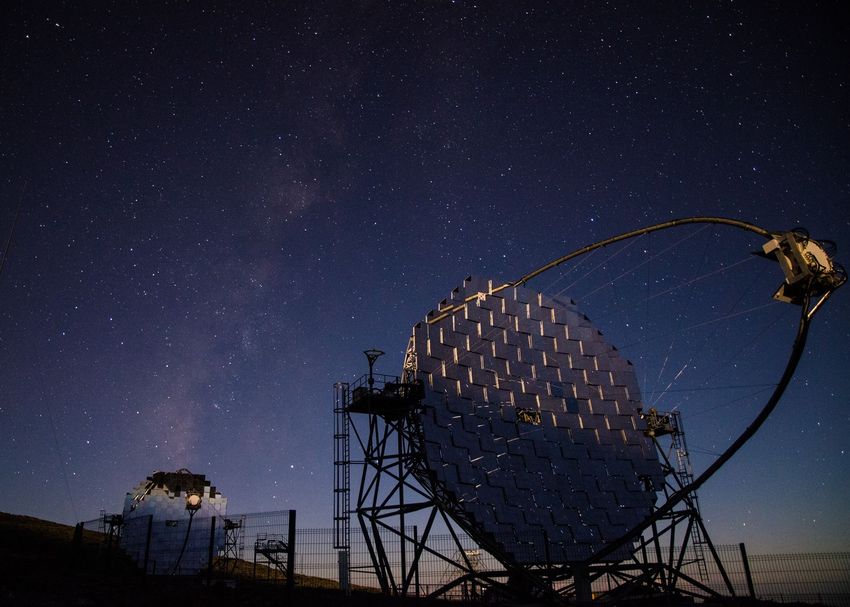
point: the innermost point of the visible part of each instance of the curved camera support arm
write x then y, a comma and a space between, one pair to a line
802, 260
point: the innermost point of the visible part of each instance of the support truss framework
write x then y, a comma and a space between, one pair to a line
389, 494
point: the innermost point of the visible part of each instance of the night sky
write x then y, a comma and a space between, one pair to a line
220, 208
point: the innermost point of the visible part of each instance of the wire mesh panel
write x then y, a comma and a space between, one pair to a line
172, 546
821, 578
812, 578
266, 540
317, 563
134, 539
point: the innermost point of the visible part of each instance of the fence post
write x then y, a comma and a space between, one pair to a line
416, 555
747, 574
290, 554
148, 542
77, 544
78, 535
210, 551
343, 572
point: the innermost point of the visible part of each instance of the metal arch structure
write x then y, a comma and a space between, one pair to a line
819, 276
810, 279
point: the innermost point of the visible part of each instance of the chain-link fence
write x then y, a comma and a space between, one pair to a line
267, 548
810, 578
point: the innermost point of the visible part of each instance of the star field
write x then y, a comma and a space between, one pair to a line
222, 206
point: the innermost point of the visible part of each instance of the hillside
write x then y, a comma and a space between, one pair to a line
42, 567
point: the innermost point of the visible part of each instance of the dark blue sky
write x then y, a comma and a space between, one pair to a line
222, 207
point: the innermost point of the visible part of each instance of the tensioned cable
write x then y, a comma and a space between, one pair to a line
550, 287
672, 381
701, 277
599, 265
726, 361
12, 230
724, 364
796, 353
59, 453
645, 308
700, 324
704, 340
643, 263
647, 298
703, 451
729, 403
445, 312
664, 365
680, 330
711, 388
61, 456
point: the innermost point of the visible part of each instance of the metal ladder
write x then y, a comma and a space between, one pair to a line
686, 476
342, 470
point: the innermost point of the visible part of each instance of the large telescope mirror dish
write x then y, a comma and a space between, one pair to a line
529, 433
530, 425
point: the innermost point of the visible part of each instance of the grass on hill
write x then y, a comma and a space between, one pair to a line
43, 567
